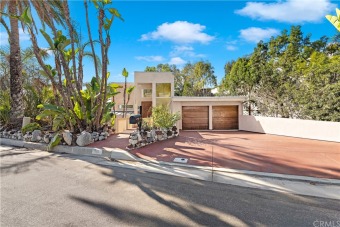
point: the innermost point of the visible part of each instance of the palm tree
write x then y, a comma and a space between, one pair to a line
47, 12
17, 107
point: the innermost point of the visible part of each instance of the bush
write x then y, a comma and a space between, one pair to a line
5, 107
163, 118
30, 127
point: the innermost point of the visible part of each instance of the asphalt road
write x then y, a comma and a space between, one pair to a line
44, 189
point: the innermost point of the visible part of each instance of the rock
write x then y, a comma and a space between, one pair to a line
94, 134
101, 138
35, 135
103, 134
27, 137
67, 137
47, 138
105, 129
84, 139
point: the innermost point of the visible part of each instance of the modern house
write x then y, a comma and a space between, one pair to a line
215, 112
197, 113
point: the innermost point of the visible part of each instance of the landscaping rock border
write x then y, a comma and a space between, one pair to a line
112, 153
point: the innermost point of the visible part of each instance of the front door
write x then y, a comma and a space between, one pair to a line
146, 109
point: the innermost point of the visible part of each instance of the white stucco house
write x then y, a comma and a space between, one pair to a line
197, 113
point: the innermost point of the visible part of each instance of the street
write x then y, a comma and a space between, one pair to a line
45, 189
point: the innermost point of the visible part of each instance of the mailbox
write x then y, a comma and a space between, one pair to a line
135, 119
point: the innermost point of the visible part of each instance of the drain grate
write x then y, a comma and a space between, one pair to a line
181, 160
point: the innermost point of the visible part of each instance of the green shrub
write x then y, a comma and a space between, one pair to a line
30, 127
5, 107
163, 118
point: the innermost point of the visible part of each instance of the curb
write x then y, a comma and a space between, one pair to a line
118, 154
89, 151
279, 176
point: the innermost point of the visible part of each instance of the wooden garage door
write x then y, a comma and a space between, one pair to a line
195, 117
225, 117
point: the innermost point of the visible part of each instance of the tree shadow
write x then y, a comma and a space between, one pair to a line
214, 204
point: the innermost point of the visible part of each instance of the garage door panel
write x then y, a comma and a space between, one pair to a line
225, 117
195, 120
195, 117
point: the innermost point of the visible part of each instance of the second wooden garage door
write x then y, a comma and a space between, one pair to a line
195, 117
225, 117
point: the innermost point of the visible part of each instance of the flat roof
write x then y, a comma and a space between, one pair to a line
209, 98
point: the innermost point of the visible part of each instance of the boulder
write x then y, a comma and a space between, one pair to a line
35, 135
67, 136
101, 138
84, 139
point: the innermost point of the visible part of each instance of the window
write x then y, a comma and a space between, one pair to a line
127, 106
163, 90
147, 93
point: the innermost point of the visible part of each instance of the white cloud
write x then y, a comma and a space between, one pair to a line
150, 58
185, 51
291, 11
179, 32
255, 35
177, 61
4, 37
231, 47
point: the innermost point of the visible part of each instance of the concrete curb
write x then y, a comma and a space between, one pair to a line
279, 176
116, 154
119, 154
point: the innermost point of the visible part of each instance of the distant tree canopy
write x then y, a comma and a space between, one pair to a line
192, 79
290, 76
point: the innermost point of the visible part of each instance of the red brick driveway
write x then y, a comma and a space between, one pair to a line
246, 151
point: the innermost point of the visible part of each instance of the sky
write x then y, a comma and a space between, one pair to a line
177, 32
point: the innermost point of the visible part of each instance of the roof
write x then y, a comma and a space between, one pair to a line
209, 99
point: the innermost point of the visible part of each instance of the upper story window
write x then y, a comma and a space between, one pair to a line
163, 90
147, 93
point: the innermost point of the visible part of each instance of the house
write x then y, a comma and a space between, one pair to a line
214, 112
197, 113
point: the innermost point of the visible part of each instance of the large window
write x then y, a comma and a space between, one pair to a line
163, 94
163, 90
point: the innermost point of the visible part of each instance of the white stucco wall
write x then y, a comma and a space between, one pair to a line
148, 80
319, 130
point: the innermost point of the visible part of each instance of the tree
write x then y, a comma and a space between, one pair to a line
126, 91
67, 74
15, 10
17, 108
289, 76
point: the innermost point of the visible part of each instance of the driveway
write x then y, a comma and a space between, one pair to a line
244, 151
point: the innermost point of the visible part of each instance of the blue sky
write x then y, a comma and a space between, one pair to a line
177, 32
